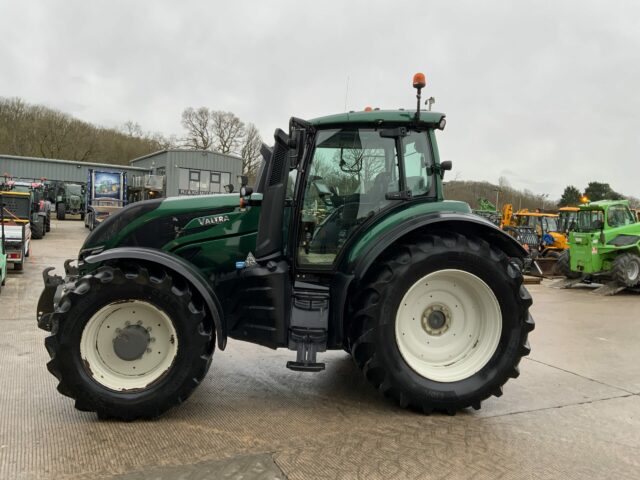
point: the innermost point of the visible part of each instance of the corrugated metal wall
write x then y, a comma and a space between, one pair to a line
173, 160
28, 167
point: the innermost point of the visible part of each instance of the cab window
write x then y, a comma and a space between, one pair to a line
351, 173
418, 161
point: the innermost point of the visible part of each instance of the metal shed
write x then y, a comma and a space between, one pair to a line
192, 172
62, 170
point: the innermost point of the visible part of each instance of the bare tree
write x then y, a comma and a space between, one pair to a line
199, 128
250, 151
228, 132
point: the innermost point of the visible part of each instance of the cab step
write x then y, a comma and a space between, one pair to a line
308, 343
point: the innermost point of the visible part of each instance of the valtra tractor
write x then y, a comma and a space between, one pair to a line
343, 243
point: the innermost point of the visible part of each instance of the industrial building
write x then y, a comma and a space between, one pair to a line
192, 172
60, 170
167, 173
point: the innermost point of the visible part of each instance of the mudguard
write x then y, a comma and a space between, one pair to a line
181, 267
464, 223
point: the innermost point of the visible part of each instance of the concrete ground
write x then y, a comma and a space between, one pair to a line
573, 413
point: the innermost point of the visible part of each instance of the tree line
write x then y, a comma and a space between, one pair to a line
37, 131
594, 191
475, 192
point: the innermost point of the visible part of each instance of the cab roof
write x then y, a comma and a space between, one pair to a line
427, 118
603, 204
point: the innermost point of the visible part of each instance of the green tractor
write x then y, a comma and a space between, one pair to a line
605, 245
343, 243
69, 200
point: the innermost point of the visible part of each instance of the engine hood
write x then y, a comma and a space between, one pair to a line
170, 223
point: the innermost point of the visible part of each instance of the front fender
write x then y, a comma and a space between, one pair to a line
181, 267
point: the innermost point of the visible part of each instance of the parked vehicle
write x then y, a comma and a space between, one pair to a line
106, 195
69, 199
17, 230
605, 244
40, 209
3, 251
344, 242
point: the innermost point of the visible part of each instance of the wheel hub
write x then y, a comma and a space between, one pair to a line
131, 342
436, 319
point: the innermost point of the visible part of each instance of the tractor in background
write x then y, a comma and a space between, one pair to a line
69, 199
604, 247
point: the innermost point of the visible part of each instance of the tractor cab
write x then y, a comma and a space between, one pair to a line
567, 219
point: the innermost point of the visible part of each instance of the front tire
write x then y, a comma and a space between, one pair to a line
626, 269
61, 211
441, 322
129, 344
563, 266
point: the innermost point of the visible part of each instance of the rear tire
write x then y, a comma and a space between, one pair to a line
626, 269
563, 266
37, 230
454, 274
91, 316
61, 211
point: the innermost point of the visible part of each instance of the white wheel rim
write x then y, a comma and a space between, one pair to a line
471, 332
633, 270
106, 366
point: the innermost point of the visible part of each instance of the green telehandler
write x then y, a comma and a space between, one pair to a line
603, 247
343, 243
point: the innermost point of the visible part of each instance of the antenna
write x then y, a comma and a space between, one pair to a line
346, 94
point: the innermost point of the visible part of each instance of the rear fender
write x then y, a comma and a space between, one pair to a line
179, 266
464, 223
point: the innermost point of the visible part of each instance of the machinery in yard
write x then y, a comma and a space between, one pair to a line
539, 233
488, 210
40, 208
16, 212
106, 195
69, 199
605, 246
344, 243
3, 251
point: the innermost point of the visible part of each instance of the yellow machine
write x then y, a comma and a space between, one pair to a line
549, 238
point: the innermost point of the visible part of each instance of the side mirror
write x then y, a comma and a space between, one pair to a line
296, 146
598, 224
444, 166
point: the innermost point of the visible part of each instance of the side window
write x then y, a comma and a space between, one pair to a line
417, 161
618, 216
351, 172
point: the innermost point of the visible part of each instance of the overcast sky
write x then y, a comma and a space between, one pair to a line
544, 93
